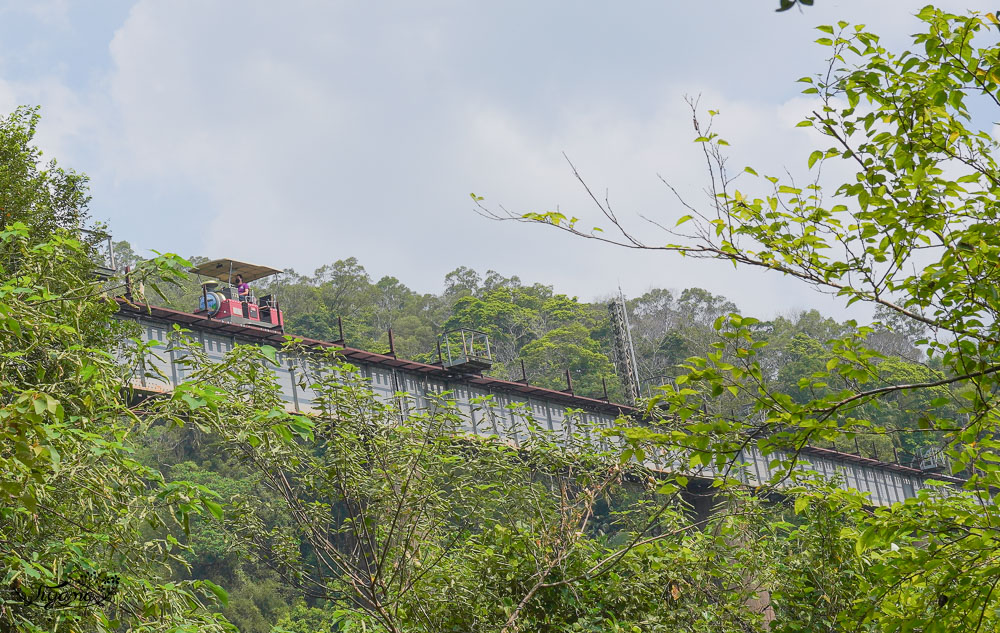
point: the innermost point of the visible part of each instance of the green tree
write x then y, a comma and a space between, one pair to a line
569, 348
86, 532
75, 506
296, 294
342, 286
914, 231
402, 522
124, 255
461, 282
503, 315
43, 197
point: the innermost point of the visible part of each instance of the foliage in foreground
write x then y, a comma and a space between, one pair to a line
395, 516
84, 528
913, 232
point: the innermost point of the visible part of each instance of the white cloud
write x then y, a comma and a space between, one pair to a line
303, 148
299, 133
8, 99
68, 121
48, 12
621, 156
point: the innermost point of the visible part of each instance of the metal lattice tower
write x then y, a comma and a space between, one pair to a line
628, 370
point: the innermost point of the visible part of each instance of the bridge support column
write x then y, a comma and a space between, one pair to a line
704, 504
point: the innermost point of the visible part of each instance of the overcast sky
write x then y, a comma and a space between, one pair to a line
293, 134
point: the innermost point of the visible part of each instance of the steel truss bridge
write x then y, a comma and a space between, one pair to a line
490, 406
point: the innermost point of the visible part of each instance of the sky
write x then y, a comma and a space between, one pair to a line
296, 133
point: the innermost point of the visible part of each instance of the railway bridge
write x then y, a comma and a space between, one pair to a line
484, 401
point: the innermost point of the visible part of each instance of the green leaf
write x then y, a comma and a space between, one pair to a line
667, 489
270, 353
193, 402
219, 592
157, 290
282, 432
866, 540
213, 507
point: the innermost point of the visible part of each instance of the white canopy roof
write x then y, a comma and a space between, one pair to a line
227, 269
